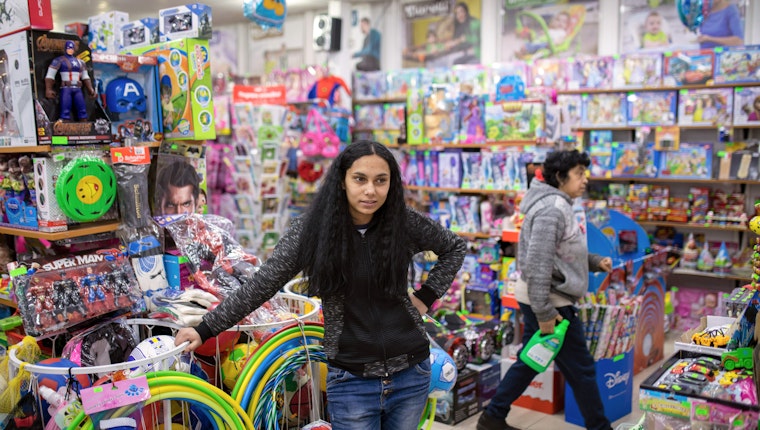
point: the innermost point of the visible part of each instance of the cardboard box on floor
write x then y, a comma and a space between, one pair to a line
461, 402
546, 393
489, 376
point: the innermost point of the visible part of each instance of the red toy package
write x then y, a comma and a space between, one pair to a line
57, 294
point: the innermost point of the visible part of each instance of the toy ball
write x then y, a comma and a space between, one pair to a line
226, 339
234, 363
443, 373
754, 225
54, 382
693, 12
153, 347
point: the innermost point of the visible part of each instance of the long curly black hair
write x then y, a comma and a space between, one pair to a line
326, 242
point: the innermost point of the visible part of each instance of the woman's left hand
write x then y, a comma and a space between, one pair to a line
606, 264
418, 304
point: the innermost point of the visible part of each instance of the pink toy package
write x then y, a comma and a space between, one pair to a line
691, 304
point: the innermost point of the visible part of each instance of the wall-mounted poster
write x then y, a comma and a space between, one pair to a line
655, 26
441, 33
533, 29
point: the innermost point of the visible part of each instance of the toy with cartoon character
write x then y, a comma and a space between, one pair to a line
74, 76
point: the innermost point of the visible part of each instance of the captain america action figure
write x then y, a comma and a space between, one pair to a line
73, 75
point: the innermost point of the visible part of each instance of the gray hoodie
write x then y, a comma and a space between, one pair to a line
553, 255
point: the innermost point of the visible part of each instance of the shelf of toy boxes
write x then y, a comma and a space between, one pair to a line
488, 145
658, 88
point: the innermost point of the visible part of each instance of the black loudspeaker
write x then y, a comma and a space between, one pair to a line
326, 33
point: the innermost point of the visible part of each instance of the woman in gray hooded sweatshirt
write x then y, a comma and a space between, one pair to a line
554, 262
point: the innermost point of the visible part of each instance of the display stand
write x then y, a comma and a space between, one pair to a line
604, 239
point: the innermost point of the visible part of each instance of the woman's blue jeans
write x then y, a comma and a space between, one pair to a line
395, 402
574, 361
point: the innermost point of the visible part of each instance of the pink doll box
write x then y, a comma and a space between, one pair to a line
711, 106
603, 110
694, 67
747, 106
738, 64
450, 169
590, 72
637, 70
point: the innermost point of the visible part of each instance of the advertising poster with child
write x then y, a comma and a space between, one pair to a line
441, 33
534, 29
655, 26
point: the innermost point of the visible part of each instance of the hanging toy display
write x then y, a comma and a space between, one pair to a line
266, 13
86, 189
693, 12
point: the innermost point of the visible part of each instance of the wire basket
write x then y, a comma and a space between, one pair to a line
303, 308
298, 286
142, 329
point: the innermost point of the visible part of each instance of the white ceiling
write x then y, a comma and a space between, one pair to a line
224, 12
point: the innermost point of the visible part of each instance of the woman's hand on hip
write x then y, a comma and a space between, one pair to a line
188, 334
418, 304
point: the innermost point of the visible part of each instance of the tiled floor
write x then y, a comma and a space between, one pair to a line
527, 419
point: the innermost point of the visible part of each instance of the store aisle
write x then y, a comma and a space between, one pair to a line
527, 419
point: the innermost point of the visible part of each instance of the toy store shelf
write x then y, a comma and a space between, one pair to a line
689, 225
22, 149
668, 88
83, 230
6, 301
370, 130
710, 181
465, 145
380, 101
602, 127
460, 190
476, 235
692, 272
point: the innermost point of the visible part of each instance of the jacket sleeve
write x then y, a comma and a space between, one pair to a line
427, 235
593, 262
278, 269
545, 234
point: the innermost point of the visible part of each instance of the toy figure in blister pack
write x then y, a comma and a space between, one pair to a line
119, 283
40, 303
93, 285
67, 298
74, 75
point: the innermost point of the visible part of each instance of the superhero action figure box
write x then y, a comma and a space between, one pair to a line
54, 295
127, 87
18, 15
48, 91
184, 76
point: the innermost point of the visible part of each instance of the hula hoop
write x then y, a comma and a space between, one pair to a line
167, 382
259, 390
428, 415
276, 338
269, 355
264, 353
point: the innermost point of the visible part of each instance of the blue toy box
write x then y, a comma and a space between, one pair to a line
603, 110
692, 67
738, 64
614, 376
128, 89
690, 161
187, 21
652, 108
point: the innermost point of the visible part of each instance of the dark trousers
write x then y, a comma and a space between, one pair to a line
574, 361
368, 63
69, 96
